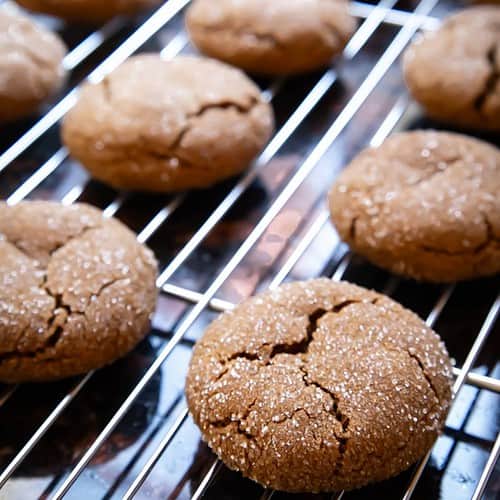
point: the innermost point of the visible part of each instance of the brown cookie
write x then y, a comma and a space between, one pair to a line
30, 64
87, 10
281, 37
424, 204
319, 386
192, 123
76, 290
454, 72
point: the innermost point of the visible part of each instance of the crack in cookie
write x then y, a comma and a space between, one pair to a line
195, 123
292, 385
423, 204
76, 290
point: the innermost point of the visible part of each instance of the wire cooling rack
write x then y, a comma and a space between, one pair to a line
124, 431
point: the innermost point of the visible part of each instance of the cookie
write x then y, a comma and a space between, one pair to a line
454, 72
30, 64
76, 290
424, 204
283, 38
319, 386
191, 124
87, 11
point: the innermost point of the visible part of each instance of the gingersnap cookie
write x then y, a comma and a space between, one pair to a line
76, 290
319, 386
87, 11
424, 204
30, 64
454, 72
282, 37
192, 123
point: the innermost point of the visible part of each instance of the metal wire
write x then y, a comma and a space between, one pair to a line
392, 119
90, 44
307, 105
39, 433
212, 472
138, 481
488, 469
395, 16
9, 391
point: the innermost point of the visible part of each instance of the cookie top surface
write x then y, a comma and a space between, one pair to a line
424, 204
30, 63
453, 72
87, 10
275, 38
189, 112
76, 290
319, 386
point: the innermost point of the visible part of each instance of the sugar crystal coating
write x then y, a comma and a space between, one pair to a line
319, 386
76, 290
424, 204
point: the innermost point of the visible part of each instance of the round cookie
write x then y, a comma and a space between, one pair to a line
30, 64
276, 38
454, 72
196, 122
424, 204
319, 386
76, 290
86, 11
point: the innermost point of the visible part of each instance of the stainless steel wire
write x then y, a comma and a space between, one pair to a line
300, 249
487, 471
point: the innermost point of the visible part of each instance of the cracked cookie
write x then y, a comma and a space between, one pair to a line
190, 124
86, 11
76, 290
30, 64
319, 386
281, 37
454, 73
424, 204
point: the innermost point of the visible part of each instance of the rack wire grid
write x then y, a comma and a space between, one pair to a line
124, 431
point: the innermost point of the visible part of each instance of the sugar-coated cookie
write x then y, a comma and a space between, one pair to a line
168, 125
274, 38
319, 386
87, 11
76, 290
424, 204
30, 64
454, 72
